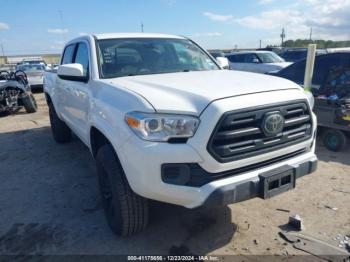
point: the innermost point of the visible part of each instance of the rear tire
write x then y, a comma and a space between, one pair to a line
29, 103
60, 131
334, 140
125, 211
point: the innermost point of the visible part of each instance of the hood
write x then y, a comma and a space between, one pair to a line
191, 92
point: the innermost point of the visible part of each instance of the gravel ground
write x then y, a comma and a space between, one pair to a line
49, 204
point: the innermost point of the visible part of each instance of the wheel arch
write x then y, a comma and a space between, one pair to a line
48, 99
97, 140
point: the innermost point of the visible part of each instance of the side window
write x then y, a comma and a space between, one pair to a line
68, 55
232, 58
236, 58
82, 57
250, 58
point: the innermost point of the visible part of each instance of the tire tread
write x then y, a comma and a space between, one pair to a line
133, 208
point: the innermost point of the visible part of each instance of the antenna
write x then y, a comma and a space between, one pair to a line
142, 27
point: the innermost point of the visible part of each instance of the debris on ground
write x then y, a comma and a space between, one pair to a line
314, 246
296, 222
243, 228
342, 241
332, 208
342, 191
283, 210
256, 242
288, 237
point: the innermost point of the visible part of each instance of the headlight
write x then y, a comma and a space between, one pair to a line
311, 99
161, 127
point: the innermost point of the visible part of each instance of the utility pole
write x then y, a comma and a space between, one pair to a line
311, 34
141, 27
283, 35
260, 44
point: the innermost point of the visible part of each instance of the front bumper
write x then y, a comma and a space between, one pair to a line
142, 166
237, 192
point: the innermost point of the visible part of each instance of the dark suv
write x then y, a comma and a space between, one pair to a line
323, 63
294, 55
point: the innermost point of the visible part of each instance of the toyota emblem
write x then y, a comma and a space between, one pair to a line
273, 124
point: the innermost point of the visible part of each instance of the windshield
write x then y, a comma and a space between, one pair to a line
143, 56
270, 57
27, 68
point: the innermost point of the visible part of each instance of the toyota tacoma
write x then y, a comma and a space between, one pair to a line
165, 122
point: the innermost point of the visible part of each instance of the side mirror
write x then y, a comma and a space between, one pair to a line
223, 62
256, 61
72, 72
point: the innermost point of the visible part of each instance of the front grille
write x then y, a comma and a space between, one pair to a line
239, 134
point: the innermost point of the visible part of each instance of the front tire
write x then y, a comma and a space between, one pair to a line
29, 103
125, 211
334, 140
60, 131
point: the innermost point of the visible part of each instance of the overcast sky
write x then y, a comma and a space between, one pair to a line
42, 26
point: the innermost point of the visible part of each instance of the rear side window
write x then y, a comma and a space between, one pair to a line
68, 55
294, 56
325, 63
82, 57
236, 58
250, 58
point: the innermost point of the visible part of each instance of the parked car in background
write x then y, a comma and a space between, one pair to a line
33, 62
323, 64
35, 74
294, 55
256, 61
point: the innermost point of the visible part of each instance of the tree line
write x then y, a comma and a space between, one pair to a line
320, 43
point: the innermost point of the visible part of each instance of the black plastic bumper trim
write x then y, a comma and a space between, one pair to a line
196, 176
248, 189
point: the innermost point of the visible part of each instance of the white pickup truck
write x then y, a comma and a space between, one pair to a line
165, 122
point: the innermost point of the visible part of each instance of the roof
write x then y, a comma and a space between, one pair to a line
249, 52
135, 35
